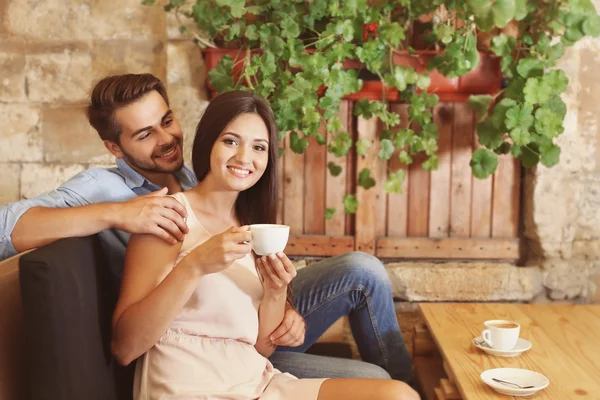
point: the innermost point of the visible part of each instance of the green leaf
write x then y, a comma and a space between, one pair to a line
423, 81
289, 28
148, 2
237, 7
345, 29
489, 135
394, 181
484, 163
443, 33
519, 117
504, 11
521, 136
387, 149
393, 33
341, 144
297, 143
499, 114
364, 178
550, 156
362, 146
221, 77
520, 9
252, 32
405, 158
557, 106
591, 27
432, 163
557, 80
515, 88
548, 123
537, 91
329, 213
480, 104
321, 139
529, 158
503, 45
350, 204
334, 169
530, 67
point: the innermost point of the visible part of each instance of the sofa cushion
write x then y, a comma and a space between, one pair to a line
68, 300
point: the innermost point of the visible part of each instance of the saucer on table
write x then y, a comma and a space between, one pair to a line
521, 346
522, 377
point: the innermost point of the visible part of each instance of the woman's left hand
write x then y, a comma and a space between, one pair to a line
276, 271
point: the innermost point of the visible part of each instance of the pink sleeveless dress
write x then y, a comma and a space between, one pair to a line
208, 351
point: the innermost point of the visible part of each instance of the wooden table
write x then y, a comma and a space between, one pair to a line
565, 339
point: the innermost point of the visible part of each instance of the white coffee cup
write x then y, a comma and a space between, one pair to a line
501, 334
269, 238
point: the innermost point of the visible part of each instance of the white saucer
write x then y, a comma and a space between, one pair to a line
523, 377
521, 346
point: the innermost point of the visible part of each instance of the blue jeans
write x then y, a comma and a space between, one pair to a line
357, 285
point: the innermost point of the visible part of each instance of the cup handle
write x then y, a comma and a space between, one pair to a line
486, 337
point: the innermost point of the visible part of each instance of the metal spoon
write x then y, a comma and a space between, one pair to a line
514, 384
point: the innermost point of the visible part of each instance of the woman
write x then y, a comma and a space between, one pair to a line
201, 311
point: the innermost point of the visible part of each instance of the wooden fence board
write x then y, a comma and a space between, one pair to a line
505, 206
439, 205
448, 248
366, 217
460, 195
397, 204
314, 187
336, 185
481, 202
293, 191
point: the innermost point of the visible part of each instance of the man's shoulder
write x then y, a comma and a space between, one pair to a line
98, 185
98, 175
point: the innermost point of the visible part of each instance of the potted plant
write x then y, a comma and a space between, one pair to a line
305, 56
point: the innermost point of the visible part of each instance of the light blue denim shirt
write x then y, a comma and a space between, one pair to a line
96, 185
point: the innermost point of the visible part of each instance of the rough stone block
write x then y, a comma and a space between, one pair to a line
34, 19
60, 76
9, 182
125, 56
84, 20
118, 19
38, 179
69, 138
12, 77
185, 65
569, 279
173, 27
20, 139
188, 104
455, 281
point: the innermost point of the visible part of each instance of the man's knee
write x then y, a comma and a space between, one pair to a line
367, 268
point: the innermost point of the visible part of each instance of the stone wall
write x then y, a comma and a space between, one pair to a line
52, 52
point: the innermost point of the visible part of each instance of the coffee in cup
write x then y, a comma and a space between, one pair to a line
501, 334
269, 238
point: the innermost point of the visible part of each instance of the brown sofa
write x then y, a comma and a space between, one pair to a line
56, 306
11, 331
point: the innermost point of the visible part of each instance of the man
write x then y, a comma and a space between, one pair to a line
132, 116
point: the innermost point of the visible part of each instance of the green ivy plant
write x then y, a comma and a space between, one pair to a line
293, 53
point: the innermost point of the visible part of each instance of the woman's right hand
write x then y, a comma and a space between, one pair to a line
220, 251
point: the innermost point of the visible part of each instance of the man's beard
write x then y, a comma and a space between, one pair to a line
151, 165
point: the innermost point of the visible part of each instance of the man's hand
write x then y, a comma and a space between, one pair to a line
291, 331
155, 214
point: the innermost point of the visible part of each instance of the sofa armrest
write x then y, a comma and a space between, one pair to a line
11, 330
